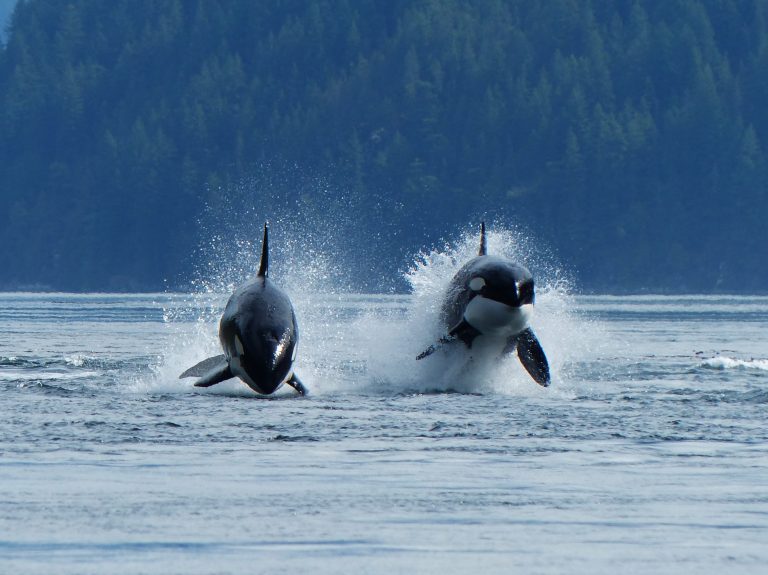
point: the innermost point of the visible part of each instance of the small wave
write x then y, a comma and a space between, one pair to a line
724, 362
91, 361
28, 375
14, 361
756, 396
66, 362
78, 360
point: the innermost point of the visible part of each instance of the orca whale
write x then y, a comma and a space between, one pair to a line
491, 299
259, 336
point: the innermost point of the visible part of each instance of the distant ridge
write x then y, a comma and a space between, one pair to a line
629, 137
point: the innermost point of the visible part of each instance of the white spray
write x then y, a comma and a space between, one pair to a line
355, 343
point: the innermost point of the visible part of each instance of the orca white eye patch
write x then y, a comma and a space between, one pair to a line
476, 284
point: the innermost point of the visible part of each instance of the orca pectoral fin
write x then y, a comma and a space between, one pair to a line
217, 374
202, 368
296, 384
532, 357
427, 352
434, 347
462, 331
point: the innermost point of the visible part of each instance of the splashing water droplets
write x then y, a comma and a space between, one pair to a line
391, 342
354, 343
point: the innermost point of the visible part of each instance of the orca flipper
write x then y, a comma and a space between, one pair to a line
296, 384
463, 331
202, 368
210, 371
219, 373
435, 346
532, 357
429, 351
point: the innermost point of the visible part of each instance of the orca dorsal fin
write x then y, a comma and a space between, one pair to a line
483, 243
264, 266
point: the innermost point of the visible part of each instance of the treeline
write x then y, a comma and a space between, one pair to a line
628, 136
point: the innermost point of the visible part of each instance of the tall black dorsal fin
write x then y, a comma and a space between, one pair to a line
483, 244
264, 266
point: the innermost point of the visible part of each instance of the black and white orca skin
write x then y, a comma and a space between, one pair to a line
259, 336
490, 300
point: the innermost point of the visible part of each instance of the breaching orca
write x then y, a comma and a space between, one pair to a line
491, 298
259, 335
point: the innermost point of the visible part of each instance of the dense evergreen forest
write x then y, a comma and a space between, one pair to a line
6, 9
627, 137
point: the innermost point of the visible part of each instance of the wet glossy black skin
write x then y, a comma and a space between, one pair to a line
505, 282
262, 315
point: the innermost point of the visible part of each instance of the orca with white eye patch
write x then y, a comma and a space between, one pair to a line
259, 335
492, 297
476, 284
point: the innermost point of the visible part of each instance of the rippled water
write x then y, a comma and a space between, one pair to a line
648, 454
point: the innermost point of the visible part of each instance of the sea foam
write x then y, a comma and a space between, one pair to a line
721, 362
362, 343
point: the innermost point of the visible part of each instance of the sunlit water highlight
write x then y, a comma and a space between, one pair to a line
647, 454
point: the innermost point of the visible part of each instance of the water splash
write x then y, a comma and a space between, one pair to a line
392, 342
724, 362
305, 251
352, 343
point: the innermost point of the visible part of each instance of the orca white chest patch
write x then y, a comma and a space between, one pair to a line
236, 366
236, 363
496, 319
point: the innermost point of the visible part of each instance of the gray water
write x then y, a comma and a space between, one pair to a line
647, 454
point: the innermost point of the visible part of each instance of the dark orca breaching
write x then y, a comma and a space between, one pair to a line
490, 299
259, 335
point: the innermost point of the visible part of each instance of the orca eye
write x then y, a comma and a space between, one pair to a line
476, 284
525, 292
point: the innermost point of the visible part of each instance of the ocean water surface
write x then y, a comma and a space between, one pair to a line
648, 454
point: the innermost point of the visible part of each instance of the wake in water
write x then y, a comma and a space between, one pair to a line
722, 363
368, 344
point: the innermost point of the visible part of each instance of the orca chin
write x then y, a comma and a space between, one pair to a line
491, 317
259, 335
262, 385
266, 372
493, 297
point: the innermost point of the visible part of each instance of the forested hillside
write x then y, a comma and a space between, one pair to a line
629, 137
6, 9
